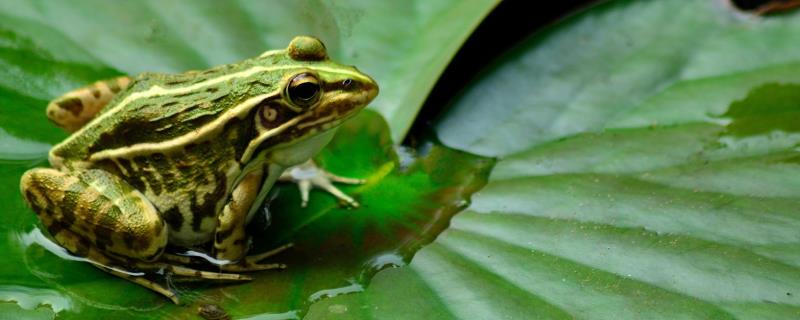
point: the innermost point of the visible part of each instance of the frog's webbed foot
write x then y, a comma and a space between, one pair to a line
308, 175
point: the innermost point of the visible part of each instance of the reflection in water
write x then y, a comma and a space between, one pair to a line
36, 236
386, 260
204, 256
30, 298
330, 293
405, 156
291, 315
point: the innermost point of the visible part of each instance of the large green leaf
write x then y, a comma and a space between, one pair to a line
48, 48
649, 170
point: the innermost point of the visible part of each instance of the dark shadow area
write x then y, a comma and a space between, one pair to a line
509, 24
748, 5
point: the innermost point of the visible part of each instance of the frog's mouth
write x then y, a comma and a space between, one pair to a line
342, 101
338, 108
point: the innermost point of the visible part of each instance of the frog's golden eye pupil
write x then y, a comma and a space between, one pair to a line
304, 89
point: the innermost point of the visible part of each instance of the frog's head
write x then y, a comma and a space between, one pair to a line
316, 95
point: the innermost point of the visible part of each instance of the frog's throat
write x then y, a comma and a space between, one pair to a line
207, 131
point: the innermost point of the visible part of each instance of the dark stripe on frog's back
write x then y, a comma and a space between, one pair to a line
181, 172
183, 164
145, 120
178, 171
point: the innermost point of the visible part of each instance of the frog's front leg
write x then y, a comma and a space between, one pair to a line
75, 108
230, 238
308, 175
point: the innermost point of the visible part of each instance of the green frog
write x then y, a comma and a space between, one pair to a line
186, 160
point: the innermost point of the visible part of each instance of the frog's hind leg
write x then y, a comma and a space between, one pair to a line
98, 216
100, 208
75, 108
94, 214
77, 245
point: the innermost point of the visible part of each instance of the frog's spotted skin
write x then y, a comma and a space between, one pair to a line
111, 216
186, 159
75, 108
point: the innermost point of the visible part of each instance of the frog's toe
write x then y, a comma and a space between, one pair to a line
250, 263
207, 275
261, 256
142, 281
172, 296
245, 266
345, 180
324, 183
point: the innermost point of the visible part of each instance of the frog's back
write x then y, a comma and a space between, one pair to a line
187, 181
157, 107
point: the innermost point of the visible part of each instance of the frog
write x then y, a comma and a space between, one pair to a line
186, 160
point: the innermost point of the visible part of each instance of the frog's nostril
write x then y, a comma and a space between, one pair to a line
347, 82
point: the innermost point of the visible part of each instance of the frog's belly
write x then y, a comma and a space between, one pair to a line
188, 197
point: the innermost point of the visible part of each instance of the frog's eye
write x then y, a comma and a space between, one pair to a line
304, 90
